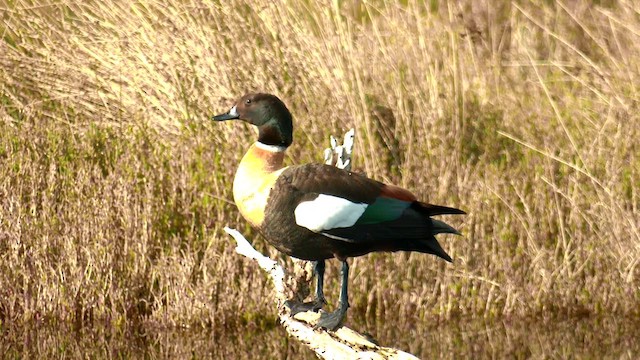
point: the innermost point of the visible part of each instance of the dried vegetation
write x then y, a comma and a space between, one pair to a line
114, 186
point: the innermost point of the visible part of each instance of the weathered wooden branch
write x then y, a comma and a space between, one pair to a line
341, 344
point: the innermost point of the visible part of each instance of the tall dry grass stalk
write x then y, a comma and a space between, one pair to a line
114, 186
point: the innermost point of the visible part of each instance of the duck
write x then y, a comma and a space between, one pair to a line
318, 212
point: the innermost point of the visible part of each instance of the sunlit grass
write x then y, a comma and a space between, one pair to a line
114, 186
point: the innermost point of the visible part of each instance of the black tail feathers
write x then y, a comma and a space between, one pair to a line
440, 227
431, 210
432, 246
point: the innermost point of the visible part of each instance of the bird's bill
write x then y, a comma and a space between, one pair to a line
230, 115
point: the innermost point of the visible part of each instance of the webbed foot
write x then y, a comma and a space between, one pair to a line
332, 320
297, 307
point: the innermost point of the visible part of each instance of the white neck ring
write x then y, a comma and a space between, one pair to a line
271, 148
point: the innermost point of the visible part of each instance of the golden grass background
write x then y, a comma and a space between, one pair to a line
114, 184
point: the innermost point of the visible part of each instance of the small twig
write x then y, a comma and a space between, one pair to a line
342, 152
343, 343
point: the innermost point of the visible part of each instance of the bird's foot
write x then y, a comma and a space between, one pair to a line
296, 307
331, 320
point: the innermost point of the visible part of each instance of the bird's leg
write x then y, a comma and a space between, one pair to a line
319, 301
319, 270
333, 320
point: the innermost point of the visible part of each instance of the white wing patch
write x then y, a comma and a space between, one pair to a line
328, 212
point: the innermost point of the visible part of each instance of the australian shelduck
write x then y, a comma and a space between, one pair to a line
317, 212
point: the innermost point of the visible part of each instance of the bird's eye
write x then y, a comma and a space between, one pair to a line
248, 101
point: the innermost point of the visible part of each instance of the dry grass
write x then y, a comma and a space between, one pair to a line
114, 186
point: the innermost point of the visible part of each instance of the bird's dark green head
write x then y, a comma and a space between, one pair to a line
268, 113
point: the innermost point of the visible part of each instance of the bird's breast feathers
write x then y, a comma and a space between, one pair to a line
256, 176
251, 193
